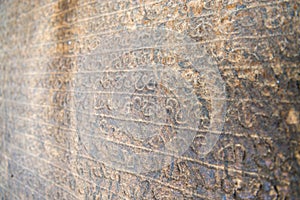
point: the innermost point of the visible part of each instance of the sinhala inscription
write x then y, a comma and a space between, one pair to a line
143, 95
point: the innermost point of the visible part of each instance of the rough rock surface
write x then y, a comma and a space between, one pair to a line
160, 99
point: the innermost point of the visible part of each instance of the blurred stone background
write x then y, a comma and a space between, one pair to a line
256, 46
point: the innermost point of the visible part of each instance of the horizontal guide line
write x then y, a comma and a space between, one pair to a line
66, 40
114, 92
71, 8
123, 171
102, 71
54, 29
146, 122
23, 184
58, 167
255, 136
205, 164
199, 130
155, 180
30, 11
255, 6
151, 47
27, 169
242, 67
104, 32
7, 190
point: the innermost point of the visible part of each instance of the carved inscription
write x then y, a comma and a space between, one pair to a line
152, 99
137, 102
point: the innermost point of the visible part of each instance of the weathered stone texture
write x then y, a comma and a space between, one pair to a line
165, 99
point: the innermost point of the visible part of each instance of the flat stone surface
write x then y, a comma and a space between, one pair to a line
164, 99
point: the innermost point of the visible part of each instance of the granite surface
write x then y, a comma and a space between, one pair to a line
138, 99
